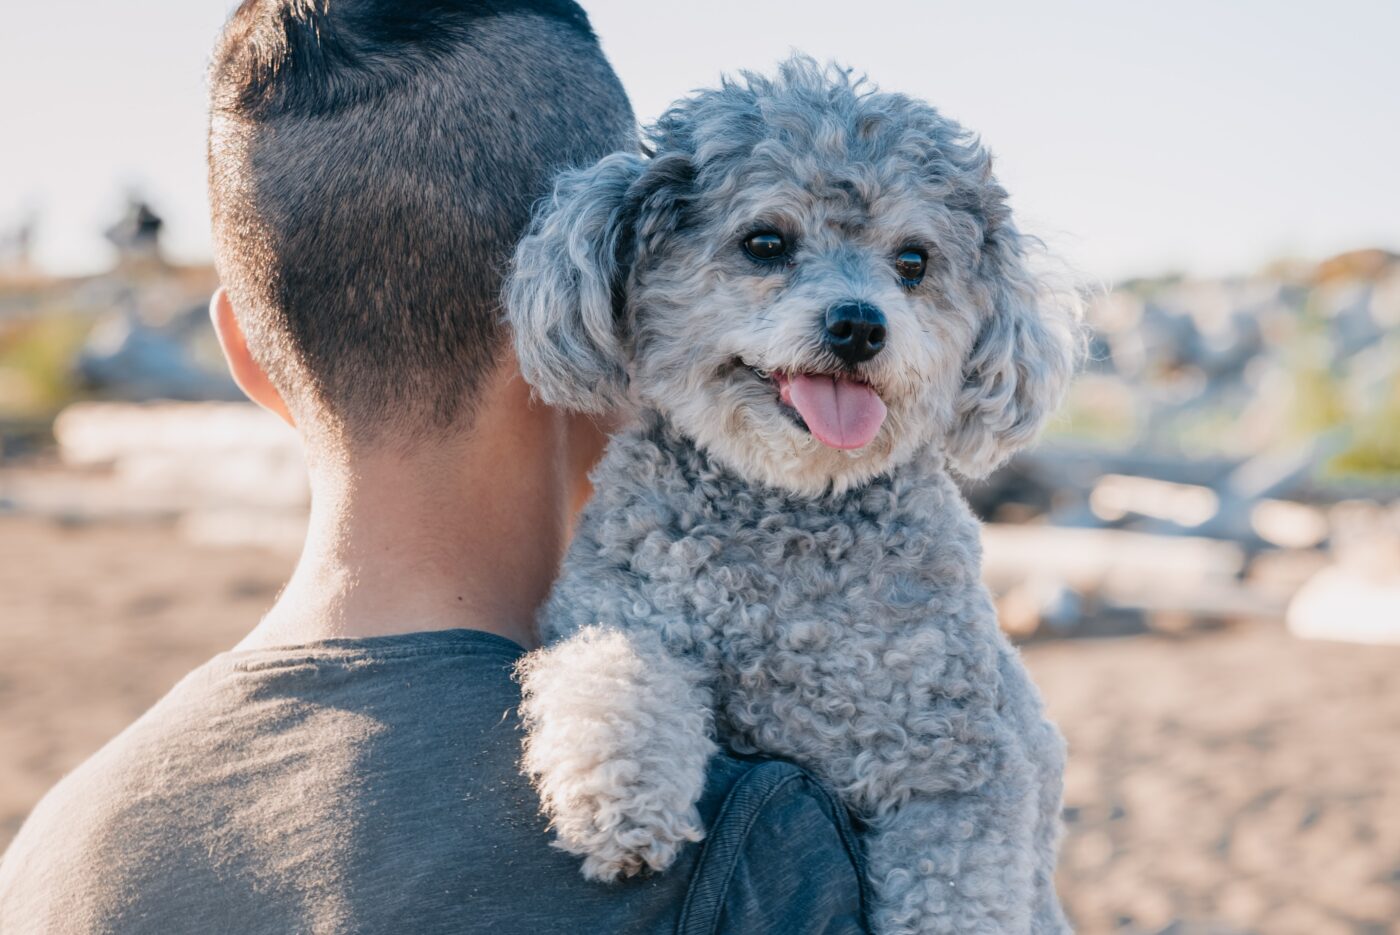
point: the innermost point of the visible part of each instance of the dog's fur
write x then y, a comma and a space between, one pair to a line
735, 579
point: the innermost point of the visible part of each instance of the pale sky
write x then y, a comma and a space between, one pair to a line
1207, 135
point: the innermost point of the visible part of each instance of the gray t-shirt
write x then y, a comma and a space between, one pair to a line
371, 785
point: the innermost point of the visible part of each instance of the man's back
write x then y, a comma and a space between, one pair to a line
371, 166
373, 785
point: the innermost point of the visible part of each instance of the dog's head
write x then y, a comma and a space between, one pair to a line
812, 280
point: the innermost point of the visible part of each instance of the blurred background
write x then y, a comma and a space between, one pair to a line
1202, 559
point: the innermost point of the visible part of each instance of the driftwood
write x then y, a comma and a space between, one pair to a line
1057, 580
227, 473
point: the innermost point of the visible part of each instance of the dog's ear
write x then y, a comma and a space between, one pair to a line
567, 295
1020, 365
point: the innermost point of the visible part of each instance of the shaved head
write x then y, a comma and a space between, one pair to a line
371, 165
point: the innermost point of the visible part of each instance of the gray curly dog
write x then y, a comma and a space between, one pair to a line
813, 302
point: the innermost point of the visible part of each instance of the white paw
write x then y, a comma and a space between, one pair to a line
617, 740
629, 849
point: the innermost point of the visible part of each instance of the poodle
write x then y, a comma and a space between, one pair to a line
813, 303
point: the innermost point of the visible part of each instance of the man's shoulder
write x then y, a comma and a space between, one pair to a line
780, 849
382, 787
745, 791
93, 826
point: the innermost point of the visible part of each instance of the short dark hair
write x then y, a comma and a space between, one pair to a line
371, 165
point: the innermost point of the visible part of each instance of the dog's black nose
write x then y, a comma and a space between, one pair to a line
855, 332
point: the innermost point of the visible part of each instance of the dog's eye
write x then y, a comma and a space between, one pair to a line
910, 266
765, 245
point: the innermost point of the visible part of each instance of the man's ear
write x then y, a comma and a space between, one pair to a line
566, 298
250, 377
1020, 366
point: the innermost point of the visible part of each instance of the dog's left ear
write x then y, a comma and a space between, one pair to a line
1022, 360
567, 298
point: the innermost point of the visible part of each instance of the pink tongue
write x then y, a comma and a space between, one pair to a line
841, 413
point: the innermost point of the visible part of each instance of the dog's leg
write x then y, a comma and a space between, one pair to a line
618, 734
1045, 749
959, 863
1049, 917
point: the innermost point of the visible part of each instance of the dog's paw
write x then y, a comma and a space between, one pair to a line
651, 844
617, 740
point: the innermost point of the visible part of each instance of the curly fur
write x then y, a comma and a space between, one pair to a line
826, 606
617, 732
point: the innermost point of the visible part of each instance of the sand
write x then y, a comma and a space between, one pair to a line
1228, 781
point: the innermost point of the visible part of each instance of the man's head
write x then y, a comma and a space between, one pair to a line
371, 165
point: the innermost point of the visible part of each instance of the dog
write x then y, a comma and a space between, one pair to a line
813, 303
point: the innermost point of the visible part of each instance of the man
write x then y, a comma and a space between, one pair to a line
353, 765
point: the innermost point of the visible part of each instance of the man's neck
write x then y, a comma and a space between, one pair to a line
467, 532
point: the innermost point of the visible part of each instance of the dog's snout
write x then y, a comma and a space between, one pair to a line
855, 331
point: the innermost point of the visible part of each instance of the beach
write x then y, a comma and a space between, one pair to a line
1224, 780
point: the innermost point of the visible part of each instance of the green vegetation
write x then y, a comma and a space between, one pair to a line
36, 364
1375, 449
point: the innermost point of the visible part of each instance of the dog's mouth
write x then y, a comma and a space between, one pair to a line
841, 411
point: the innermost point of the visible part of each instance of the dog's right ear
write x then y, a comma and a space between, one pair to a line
566, 298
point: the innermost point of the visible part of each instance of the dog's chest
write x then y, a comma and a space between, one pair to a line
872, 592
830, 628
